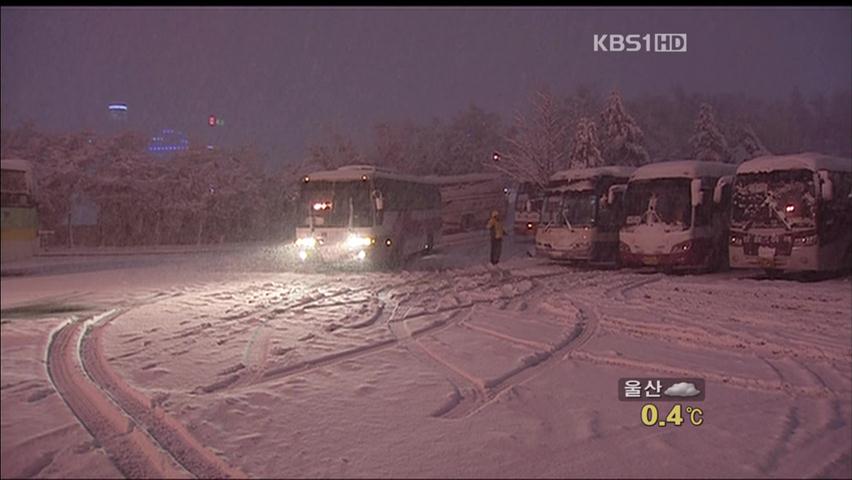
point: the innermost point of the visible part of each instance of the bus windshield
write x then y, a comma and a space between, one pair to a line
664, 200
529, 199
779, 199
331, 204
570, 208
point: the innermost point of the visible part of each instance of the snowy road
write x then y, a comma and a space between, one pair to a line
228, 364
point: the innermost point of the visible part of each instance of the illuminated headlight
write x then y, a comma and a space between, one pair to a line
361, 255
303, 254
682, 247
805, 240
306, 242
736, 240
354, 241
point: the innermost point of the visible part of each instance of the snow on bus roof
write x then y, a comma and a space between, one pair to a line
683, 168
465, 178
355, 172
807, 161
15, 164
587, 173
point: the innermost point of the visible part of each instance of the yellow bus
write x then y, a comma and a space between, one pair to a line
19, 230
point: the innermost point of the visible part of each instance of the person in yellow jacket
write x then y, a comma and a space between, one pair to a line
495, 226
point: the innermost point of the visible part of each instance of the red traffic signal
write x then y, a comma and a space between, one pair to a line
211, 120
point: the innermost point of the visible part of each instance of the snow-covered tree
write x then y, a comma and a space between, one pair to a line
621, 138
708, 143
472, 135
536, 143
585, 152
336, 150
747, 145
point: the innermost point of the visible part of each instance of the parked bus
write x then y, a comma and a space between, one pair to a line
19, 218
580, 216
528, 201
365, 214
676, 216
792, 212
468, 200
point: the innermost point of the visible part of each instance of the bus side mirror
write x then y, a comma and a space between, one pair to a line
723, 182
695, 191
614, 192
378, 200
826, 188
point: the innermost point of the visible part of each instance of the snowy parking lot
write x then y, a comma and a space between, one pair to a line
233, 364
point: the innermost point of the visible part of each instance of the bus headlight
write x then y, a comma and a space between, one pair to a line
354, 241
306, 242
303, 255
736, 240
682, 247
804, 240
361, 255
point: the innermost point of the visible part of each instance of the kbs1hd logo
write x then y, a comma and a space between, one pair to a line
657, 42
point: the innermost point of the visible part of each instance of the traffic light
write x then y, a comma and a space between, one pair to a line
211, 120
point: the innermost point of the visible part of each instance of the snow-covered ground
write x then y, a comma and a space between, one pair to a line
232, 364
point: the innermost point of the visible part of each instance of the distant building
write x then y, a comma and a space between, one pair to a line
118, 112
168, 141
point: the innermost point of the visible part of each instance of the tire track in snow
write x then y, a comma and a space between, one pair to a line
133, 452
490, 390
168, 433
385, 294
782, 444
257, 350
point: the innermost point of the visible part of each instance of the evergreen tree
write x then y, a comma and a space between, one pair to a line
708, 143
585, 152
747, 145
621, 138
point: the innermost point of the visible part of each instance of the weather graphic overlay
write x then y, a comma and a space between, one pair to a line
678, 390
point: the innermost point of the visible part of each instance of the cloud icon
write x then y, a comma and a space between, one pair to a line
682, 389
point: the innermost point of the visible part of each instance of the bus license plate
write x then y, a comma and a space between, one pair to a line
767, 253
651, 260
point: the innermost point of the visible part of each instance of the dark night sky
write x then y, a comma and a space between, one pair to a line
276, 75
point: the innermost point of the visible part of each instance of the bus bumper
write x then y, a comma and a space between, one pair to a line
579, 254
801, 259
695, 257
327, 255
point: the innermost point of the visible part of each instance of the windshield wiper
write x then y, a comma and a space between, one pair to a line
567, 222
772, 204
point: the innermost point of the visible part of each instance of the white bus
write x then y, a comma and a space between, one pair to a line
792, 212
468, 200
19, 228
365, 214
676, 215
528, 201
580, 217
